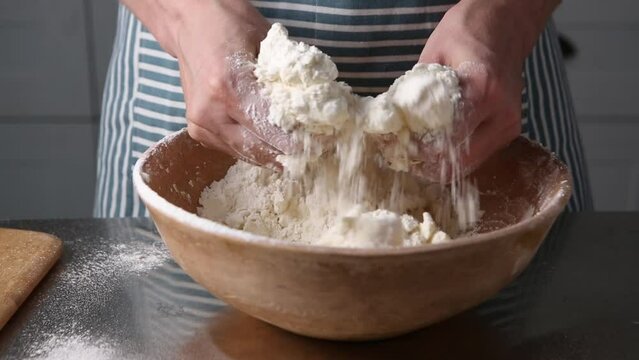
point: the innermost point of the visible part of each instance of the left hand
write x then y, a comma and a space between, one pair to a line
486, 44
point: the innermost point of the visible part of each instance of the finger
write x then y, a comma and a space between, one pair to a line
248, 146
488, 138
473, 81
252, 108
433, 159
255, 122
246, 143
387, 144
227, 141
431, 165
208, 139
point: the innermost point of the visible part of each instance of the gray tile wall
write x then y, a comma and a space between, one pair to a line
44, 65
53, 58
604, 78
47, 169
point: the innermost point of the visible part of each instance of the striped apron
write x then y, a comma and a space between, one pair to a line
372, 43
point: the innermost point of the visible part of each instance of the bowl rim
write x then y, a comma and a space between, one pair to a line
553, 207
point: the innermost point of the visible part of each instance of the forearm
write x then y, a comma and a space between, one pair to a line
533, 17
166, 19
162, 18
523, 19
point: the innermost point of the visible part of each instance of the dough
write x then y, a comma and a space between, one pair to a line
343, 192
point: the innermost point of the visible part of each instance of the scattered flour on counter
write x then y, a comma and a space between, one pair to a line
344, 192
73, 347
103, 271
106, 266
117, 260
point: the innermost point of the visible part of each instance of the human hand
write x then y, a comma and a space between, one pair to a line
216, 43
486, 44
216, 52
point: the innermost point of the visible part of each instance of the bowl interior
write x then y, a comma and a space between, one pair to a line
515, 184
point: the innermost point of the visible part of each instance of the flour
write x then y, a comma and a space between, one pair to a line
344, 191
273, 204
74, 347
301, 85
116, 260
426, 96
381, 228
101, 271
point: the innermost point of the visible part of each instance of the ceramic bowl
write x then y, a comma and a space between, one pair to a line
346, 293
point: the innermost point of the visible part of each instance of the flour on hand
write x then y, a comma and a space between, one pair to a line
343, 192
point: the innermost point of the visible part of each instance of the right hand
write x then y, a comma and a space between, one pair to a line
216, 42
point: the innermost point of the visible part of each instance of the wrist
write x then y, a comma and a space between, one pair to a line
516, 23
163, 18
530, 17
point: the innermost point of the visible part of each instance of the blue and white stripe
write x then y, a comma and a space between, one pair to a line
114, 170
371, 41
175, 307
553, 121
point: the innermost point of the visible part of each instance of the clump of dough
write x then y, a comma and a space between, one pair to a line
299, 81
381, 228
426, 97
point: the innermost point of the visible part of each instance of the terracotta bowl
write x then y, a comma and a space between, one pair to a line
353, 294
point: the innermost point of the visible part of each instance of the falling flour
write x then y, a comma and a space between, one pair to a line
341, 189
